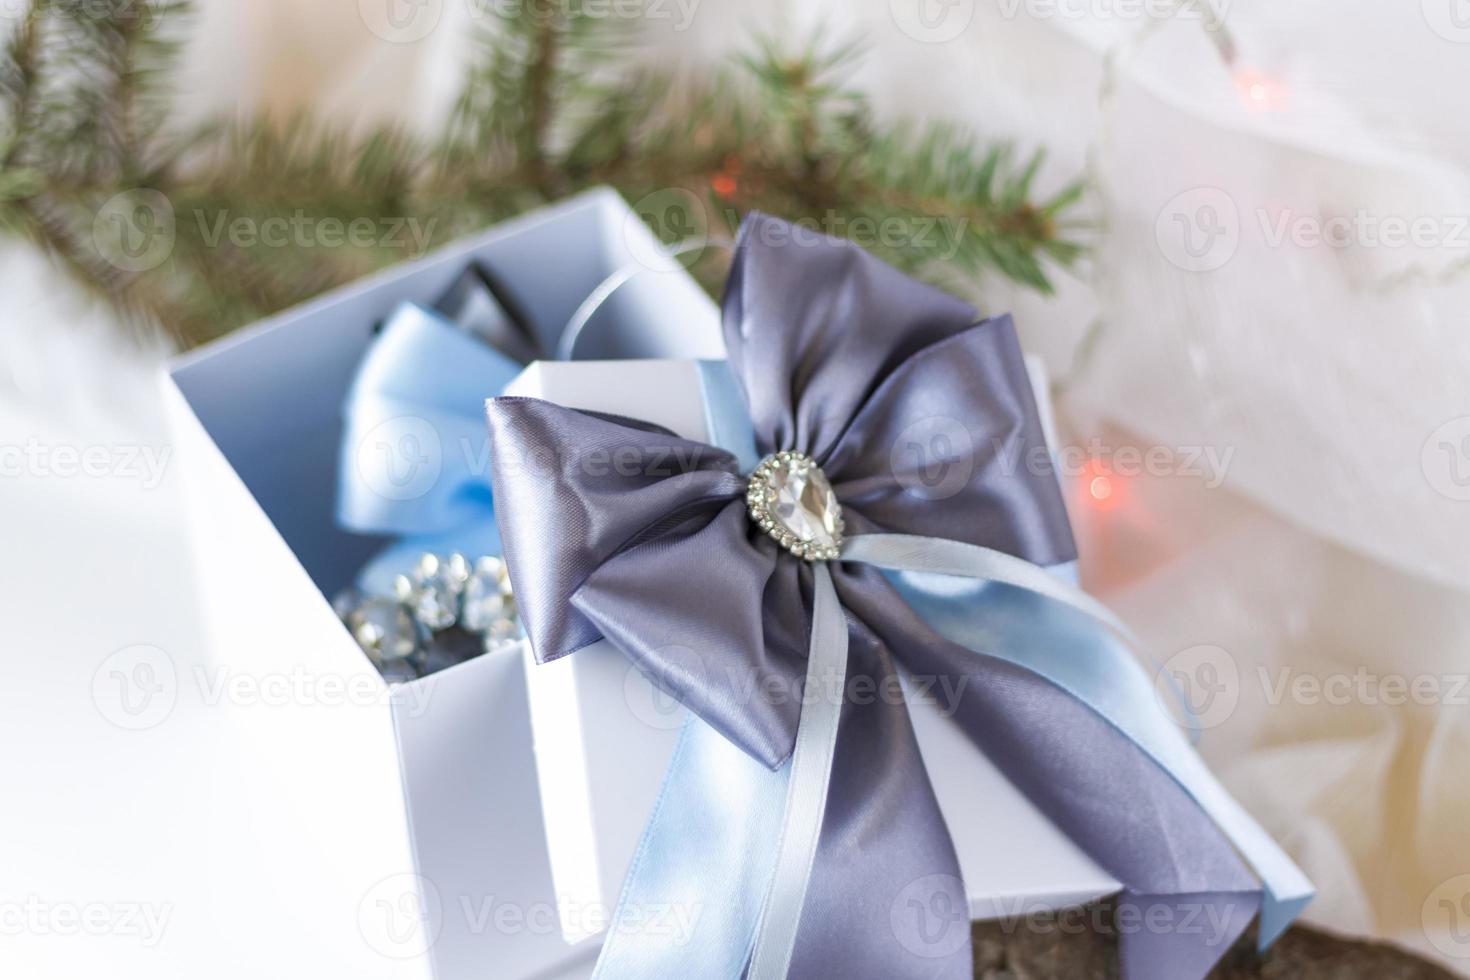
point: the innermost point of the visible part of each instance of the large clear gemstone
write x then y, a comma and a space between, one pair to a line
802, 502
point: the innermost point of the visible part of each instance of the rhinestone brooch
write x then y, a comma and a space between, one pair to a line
790, 499
443, 611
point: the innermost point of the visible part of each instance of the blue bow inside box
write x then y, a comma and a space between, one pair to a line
440, 771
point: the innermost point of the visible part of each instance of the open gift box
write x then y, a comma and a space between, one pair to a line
523, 790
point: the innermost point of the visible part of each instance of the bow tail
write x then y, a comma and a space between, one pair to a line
703, 866
885, 897
847, 829
1187, 894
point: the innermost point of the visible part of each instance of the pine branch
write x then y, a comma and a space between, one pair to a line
554, 101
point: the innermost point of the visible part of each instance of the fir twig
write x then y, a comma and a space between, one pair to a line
554, 100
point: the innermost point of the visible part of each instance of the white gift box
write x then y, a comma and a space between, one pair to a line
256, 425
471, 760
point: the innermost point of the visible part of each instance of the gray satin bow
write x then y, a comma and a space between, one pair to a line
614, 528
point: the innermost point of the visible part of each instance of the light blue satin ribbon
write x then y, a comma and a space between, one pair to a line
422, 375
969, 594
415, 402
706, 854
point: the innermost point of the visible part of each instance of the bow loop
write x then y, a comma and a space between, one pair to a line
413, 457
813, 324
582, 488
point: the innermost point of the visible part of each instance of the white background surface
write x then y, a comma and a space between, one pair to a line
1337, 544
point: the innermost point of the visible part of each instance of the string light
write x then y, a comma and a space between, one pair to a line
1259, 91
1102, 489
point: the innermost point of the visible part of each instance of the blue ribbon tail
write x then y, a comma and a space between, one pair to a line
705, 859
991, 605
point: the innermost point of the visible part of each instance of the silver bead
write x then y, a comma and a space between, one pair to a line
383, 628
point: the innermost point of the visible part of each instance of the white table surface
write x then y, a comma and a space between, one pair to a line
166, 850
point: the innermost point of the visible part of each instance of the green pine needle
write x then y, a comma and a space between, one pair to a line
553, 101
